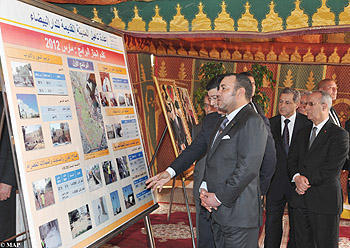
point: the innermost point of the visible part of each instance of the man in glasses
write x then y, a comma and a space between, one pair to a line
303, 102
314, 165
192, 153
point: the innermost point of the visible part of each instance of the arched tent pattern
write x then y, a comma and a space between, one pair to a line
263, 16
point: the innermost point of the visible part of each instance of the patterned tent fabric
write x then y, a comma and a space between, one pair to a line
300, 49
299, 76
257, 16
185, 73
149, 110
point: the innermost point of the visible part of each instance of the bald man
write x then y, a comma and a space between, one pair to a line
328, 85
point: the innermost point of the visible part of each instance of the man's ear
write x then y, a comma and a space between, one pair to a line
241, 92
324, 106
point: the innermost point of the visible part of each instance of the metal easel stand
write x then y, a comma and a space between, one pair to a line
173, 189
148, 226
187, 207
146, 219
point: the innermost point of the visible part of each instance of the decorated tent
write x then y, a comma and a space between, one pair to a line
301, 42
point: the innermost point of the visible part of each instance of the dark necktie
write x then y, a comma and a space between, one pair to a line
222, 125
285, 135
313, 136
221, 128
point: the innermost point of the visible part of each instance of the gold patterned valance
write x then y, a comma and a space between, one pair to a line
178, 23
201, 22
272, 22
137, 24
223, 49
224, 22
157, 24
247, 22
219, 15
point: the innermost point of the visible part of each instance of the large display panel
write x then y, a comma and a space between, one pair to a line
76, 133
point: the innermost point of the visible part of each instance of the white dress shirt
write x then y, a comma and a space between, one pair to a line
319, 127
290, 125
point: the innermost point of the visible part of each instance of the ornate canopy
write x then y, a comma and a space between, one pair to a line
254, 30
216, 17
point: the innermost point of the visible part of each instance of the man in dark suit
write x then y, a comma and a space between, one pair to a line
197, 150
280, 191
303, 101
314, 165
194, 152
204, 234
230, 188
7, 183
347, 163
207, 107
329, 86
269, 162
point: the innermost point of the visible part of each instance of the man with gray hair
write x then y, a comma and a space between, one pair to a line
314, 165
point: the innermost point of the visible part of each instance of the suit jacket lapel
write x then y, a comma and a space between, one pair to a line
258, 108
214, 133
321, 136
229, 126
297, 127
278, 131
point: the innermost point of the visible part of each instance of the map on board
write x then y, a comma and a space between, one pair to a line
89, 111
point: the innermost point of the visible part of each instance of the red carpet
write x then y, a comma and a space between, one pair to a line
173, 234
176, 233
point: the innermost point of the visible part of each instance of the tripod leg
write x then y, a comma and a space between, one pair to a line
188, 212
150, 237
171, 199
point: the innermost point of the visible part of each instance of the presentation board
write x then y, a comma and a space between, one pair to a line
77, 138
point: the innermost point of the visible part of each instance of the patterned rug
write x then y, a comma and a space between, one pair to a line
176, 232
344, 233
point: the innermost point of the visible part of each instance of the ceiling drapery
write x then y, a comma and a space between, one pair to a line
302, 31
300, 49
219, 17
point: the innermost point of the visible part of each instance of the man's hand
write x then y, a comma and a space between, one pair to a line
302, 184
203, 192
208, 200
5, 191
158, 180
300, 192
